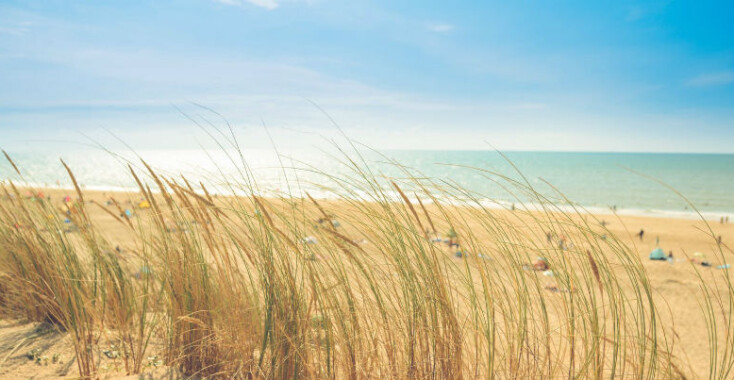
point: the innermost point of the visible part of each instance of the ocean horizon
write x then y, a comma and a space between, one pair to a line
601, 182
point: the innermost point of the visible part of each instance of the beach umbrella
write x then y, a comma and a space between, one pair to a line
144, 204
658, 254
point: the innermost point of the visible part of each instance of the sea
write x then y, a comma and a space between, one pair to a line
647, 184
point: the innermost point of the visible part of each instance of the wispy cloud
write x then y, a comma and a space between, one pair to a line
228, 2
267, 4
441, 28
15, 29
712, 79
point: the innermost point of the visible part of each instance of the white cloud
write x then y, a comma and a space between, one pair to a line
267, 4
441, 28
229, 2
712, 79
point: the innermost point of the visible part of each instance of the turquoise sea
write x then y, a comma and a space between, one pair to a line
597, 181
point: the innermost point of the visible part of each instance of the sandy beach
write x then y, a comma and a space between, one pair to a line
674, 282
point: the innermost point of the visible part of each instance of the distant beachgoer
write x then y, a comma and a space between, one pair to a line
670, 255
603, 223
718, 240
657, 240
452, 238
641, 234
548, 236
512, 207
540, 264
562, 243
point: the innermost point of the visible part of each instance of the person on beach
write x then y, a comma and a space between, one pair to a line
641, 233
562, 243
453, 238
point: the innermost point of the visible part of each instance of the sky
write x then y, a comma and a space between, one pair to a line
653, 76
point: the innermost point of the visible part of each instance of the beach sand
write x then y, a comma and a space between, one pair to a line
675, 284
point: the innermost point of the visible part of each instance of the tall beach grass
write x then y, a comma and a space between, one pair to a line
289, 286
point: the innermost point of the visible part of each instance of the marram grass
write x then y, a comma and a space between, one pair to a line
354, 287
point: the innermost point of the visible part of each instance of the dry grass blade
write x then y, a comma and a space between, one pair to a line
110, 213
425, 212
410, 206
10, 160
594, 270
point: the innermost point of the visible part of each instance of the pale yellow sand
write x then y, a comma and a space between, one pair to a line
676, 286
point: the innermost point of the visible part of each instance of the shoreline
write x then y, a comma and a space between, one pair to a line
691, 215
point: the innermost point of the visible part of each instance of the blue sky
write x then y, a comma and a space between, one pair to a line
517, 75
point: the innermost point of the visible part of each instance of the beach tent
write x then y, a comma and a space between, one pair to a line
658, 254
144, 204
